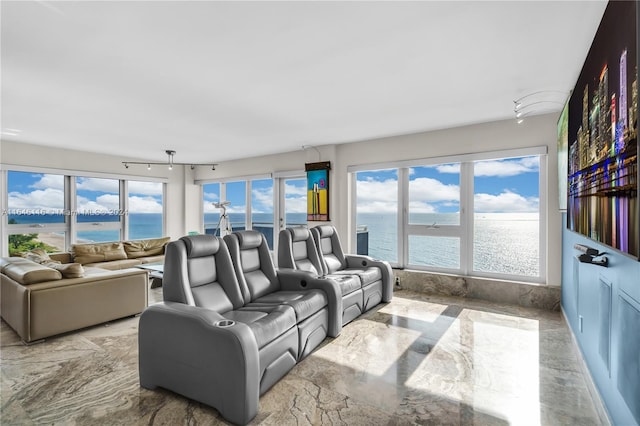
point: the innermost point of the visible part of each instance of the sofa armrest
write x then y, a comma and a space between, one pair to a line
296, 280
187, 350
360, 261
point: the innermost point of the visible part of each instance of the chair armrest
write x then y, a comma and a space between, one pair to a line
186, 350
356, 261
296, 280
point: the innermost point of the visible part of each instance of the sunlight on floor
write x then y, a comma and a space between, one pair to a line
488, 361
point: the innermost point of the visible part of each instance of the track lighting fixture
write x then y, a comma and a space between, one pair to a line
170, 163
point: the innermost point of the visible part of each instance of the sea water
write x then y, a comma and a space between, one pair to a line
503, 242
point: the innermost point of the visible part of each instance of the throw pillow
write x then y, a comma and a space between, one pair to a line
98, 252
143, 248
37, 255
68, 270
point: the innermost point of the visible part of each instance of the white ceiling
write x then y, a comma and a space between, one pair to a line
224, 80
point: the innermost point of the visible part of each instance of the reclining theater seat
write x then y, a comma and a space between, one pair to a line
264, 287
297, 250
202, 342
376, 276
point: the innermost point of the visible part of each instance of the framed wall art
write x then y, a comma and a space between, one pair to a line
318, 190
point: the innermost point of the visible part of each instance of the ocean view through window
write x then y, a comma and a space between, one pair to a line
477, 218
42, 207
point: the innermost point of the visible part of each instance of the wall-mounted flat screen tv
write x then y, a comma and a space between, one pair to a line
603, 135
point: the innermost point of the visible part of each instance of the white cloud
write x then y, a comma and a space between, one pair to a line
421, 207
102, 204
144, 205
98, 184
262, 200
145, 188
497, 168
49, 182
377, 196
449, 168
506, 202
297, 204
48, 200
506, 168
432, 190
295, 189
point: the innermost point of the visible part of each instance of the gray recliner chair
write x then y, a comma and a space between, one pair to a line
297, 250
316, 302
376, 276
207, 343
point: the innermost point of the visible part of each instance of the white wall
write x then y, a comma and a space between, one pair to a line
184, 203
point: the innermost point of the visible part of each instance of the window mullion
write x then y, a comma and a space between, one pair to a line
124, 209
466, 217
542, 219
403, 217
248, 221
72, 208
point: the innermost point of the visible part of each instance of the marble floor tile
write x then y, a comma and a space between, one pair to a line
420, 359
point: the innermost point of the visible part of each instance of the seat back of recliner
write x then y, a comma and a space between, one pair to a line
329, 248
297, 250
198, 271
253, 264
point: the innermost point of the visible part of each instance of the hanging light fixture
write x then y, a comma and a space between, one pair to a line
538, 103
170, 163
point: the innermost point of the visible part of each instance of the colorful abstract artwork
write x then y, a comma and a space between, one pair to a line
318, 191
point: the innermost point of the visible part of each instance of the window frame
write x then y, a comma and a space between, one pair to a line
71, 226
465, 231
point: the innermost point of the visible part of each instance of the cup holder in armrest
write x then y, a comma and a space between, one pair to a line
224, 323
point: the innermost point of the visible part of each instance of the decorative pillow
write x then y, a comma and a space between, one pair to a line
143, 248
68, 270
25, 272
37, 255
98, 252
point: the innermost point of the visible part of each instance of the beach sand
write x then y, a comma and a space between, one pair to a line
52, 239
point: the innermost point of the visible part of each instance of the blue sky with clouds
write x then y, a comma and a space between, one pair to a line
45, 192
500, 186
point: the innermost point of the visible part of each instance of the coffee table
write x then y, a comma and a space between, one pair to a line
155, 273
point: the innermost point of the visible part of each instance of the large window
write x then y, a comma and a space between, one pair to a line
248, 204
51, 211
295, 202
211, 196
262, 208
506, 221
145, 209
35, 212
377, 214
433, 227
98, 209
479, 216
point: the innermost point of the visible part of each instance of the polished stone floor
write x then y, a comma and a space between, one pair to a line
417, 360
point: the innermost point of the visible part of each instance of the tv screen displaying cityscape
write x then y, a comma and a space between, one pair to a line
602, 181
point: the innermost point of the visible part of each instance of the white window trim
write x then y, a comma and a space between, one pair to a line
465, 230
71, 227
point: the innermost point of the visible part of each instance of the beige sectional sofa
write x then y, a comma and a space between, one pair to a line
41, 296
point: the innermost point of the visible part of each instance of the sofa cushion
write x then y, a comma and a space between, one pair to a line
98, 252
143, 248
304, 303
116, 265
68, 270
27, 272
152, 259
267, 322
